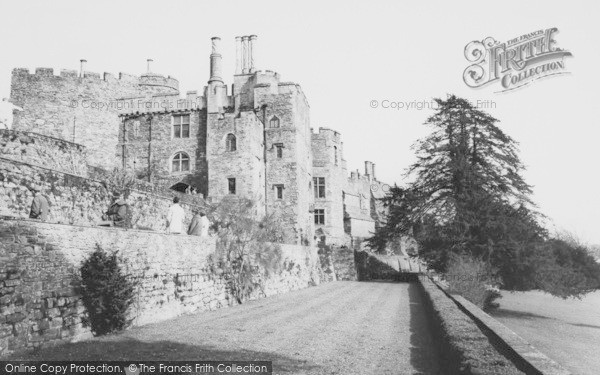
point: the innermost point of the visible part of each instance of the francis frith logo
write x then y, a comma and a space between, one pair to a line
515, 63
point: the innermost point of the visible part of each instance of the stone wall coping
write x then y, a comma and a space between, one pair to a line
16, 219
106, 228
538, 361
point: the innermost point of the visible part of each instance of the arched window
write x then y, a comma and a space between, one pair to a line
180, 162
274, 123
231, 143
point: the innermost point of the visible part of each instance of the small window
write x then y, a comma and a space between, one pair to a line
231, 142
274, 123
180, 163
335, 155
136, 128
231, 185
278, 191
320, 217
279, 149
181, 126
319, 183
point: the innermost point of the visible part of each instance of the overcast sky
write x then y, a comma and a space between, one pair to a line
346, 54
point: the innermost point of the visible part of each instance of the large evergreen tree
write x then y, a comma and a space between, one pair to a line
467, 196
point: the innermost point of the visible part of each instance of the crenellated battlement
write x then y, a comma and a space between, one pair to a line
71, 74
327, 133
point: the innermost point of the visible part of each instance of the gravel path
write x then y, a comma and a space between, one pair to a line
336, 328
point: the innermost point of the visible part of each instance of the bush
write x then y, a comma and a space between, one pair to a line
566, 269
242, 254
473, 279
107, 293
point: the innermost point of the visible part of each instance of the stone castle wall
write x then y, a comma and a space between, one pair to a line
326, 148
39, 276
147, 138
78, 109
127, 121
41, 150
286, 103
245, 164
74, 199
359, 203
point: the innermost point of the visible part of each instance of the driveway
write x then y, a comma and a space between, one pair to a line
335, 328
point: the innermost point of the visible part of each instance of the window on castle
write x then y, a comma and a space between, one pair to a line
231, 143
136, 128
278, 191
180, 163
335, 155
231, 185
274, 123
319, 216
279, 148
181, 126
319, 183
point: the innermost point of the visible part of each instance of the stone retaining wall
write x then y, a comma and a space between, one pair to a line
42, 150
39, 272
74, 199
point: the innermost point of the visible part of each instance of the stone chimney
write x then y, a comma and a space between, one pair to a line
370, 169
251, 51
82, 67
245, 47
148, 62
245, 55
215, 61
238, 55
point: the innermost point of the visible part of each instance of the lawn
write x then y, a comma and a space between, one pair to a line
568, 331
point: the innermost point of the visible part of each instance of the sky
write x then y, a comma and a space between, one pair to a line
346, 55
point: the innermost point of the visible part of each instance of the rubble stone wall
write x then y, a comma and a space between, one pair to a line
40, 302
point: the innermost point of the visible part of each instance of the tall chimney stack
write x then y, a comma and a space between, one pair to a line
238, 55
370, 170
215, 61
148, 61
82, 67
252, 49
245, 55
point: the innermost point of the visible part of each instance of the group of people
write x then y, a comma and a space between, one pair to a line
118, 215
176, 215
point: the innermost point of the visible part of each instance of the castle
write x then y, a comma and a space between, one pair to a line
253, 140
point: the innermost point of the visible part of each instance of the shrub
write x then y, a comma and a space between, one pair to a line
473, 279
107, 293
566, 269
243, 255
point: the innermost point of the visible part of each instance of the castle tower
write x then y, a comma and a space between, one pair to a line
329, 183
234, 147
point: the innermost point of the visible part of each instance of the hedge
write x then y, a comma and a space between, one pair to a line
463, 348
